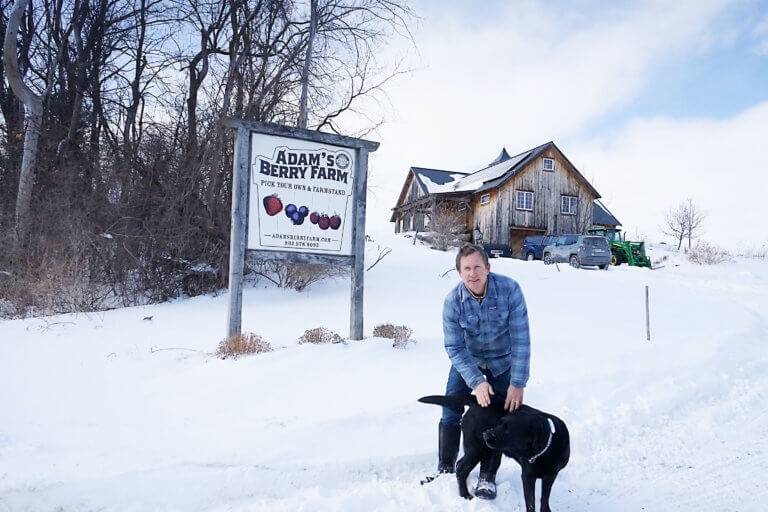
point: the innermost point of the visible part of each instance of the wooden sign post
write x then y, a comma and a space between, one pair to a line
298, 196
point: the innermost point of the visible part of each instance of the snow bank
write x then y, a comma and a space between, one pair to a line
113, 412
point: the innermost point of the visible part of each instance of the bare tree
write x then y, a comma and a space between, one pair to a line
302, 123
445, 223
694, 218
683, 221
125, 173
34, 105
674, 225
582, 221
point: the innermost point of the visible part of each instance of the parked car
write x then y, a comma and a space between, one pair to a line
497, 250
532, 247
579, 250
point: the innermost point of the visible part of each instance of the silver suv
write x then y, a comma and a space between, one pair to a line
578, 250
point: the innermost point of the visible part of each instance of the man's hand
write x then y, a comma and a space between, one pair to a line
514, 398
483, 392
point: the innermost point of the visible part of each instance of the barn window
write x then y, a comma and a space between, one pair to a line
549, 164
524, 201
568, 205
485, 198
463, 206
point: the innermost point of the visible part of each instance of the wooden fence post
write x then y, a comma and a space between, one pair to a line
647, 316
358, 247
238, 233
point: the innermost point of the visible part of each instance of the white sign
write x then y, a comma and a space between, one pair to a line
301, 196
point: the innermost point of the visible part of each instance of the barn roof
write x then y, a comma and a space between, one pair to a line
439, 181
603, 217
502, 156
497, 172
433, 181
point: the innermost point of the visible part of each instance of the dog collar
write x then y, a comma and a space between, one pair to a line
549, 441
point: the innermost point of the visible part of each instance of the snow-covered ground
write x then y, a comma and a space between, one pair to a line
110, 411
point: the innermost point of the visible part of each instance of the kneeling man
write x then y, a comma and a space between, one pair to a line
485, 324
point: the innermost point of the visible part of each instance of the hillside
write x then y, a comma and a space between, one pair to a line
113, 411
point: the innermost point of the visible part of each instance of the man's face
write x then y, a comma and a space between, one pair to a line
474, 273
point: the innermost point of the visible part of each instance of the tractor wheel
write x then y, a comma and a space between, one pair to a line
529, 256
574, 261
615, 261
547, 259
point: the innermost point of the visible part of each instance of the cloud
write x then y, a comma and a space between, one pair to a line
653, 164
760, 33
528, 73
761, 28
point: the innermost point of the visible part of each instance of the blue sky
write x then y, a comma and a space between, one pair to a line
653, 101
715, 82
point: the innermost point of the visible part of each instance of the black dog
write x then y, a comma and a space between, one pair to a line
538, 441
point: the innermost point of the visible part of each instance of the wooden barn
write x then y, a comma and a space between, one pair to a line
538, 191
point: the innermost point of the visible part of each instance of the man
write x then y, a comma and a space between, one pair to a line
485, 324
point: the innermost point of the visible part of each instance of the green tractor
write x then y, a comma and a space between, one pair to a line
631, 253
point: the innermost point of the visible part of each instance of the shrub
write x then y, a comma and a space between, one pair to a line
447, 223
706, 254
242, 344
400, 334
761, 253
296, 276
320, 335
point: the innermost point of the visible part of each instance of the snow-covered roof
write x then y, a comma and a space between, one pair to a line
435, 181
476, 180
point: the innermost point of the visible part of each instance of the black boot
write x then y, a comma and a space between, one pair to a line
486, 487
486, 484
448, 448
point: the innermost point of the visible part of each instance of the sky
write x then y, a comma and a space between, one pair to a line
654, 102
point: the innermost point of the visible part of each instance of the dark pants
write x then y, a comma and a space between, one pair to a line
457, 386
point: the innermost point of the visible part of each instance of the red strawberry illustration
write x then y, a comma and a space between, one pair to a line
272, 205
335, 222
314, 217
323, 221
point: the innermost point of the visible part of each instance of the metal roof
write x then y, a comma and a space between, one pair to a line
434, 181
601, 215
488, 177
439, 181
502, 156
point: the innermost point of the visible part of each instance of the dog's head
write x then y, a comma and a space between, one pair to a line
515, 434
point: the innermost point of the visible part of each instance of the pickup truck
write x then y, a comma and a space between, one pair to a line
532, 247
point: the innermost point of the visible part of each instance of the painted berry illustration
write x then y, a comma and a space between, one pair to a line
272, 205
314, 217
296, 215
323, 222
335, 222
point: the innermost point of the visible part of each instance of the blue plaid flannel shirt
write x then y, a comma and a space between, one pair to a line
494, 333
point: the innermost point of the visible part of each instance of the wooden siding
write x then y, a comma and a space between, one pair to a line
498, 217
409, 221
414, 191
